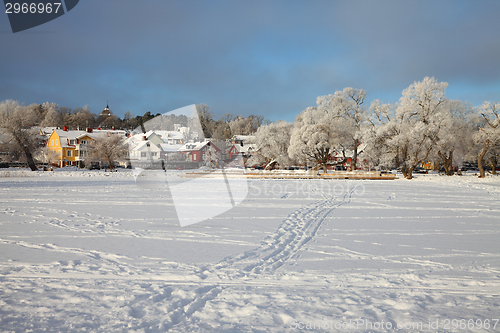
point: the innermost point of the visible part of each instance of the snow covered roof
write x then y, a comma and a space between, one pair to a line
170, 148
47, 130
135, 138
194, 146
111, 131
148, 134
146, 145
163, 135
66, 136
246, 148
243, 138
71, 134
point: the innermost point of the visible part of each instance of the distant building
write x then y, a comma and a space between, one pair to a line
195, 152
106, 111
242, 140
145, 151
242, 145
238, 149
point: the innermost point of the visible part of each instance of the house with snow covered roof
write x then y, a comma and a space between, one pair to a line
242, 145
349, 154
159, 137
64, 144
242, 140
145, 151
72, 147
167, 147
152, 137
195, 151
245, 151
174, 138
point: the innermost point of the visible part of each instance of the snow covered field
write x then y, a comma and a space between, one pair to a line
92, 251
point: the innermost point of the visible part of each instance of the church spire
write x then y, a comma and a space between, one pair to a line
106, 111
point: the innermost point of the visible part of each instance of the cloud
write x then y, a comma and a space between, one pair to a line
261, 57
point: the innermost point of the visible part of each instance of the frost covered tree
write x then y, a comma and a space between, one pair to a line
211, 157
454, 139
488, 135
83, 118
318, 136
347, 104
245, 126
227, 125
129, 121
272, 142
222, 131
382, 146
110, 122
16, 125
206, 119
404, 134
79, 117
52, 116
237, 125
108, 149
492, 158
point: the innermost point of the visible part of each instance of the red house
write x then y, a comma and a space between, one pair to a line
195, 151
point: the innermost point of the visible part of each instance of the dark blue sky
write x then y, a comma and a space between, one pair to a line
270, 58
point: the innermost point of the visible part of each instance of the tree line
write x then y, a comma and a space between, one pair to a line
227, 125
20, 141
422, 126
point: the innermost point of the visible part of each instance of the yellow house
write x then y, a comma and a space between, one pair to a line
70, 147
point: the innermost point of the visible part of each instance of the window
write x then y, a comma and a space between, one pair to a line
69, 153
143, 154
76, 153
83, 142
72, 142
57, 142
154, 154
83, 153
51, 142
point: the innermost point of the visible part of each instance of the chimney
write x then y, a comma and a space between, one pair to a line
89, 130
65, 129
99, 128
144, 138
113, 128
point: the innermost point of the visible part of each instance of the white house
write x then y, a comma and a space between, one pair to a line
145, 151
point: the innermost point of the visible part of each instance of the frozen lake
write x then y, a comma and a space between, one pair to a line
92, 251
